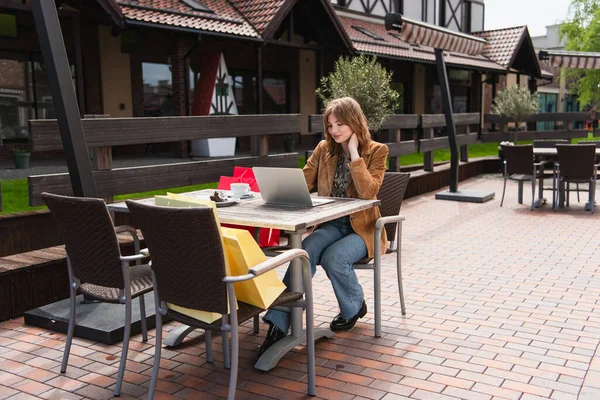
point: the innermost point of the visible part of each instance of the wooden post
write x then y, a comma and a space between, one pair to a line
428, 155
394, 137
101, 156
464, 150
259, 144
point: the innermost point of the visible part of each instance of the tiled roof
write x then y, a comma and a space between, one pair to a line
258, 13
392, 45
223, 19
502, 44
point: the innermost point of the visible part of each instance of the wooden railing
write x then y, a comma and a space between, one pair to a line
101, 134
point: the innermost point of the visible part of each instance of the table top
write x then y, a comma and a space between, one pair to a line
253, 212
541, 151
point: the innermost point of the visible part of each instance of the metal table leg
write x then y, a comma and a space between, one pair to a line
271, 357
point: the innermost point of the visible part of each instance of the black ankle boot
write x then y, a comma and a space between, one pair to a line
273, 336
340, 323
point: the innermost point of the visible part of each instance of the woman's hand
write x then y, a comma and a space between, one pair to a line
353, 147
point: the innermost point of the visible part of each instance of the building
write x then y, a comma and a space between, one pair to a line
133, 58
554, 94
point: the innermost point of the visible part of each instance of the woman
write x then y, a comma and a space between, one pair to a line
346, 164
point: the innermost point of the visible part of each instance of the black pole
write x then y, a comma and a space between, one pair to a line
451, 128
65, 100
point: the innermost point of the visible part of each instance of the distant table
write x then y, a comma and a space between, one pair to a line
295, 221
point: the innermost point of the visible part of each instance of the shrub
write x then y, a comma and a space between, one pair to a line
364, 79
515, 103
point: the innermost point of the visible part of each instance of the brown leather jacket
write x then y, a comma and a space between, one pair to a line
366, 175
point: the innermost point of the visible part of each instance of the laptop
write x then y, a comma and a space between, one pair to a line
285, 187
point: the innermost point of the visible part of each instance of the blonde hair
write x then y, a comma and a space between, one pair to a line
347, 111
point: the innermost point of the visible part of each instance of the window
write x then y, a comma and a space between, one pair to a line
367, 32
196, 5
476, 14
24, 93
413, 9
275, 92
158, 90
547, 103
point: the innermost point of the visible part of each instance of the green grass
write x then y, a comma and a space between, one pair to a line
15, 197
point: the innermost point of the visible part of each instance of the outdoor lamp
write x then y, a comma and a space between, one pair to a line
421, 33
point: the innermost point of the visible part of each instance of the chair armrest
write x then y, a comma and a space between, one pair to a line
133, 258
386, 220
132, 231
268, 265
543, 162
145, 252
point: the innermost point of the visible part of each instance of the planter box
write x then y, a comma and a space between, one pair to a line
218, 147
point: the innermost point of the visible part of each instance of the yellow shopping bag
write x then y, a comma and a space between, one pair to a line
243, 253
178, 200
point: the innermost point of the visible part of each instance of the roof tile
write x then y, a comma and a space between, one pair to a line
258, 13
223, 19
502, 43
394, 46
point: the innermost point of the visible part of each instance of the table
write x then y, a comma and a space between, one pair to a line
294, 221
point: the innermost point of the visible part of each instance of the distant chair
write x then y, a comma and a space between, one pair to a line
576, 164
549, 143
188, 270
519, 166
95, 265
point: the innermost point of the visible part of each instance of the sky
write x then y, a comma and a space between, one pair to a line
536, 14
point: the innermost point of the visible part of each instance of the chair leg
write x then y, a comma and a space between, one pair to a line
70, 329
256, 324
577, 184
399, 267
126, 335
157, 351
520, 194
233, 371
226, 358
377, 288
208, 344
503, 191
533, 193
143, 322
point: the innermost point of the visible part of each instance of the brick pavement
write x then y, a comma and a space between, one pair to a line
502, 303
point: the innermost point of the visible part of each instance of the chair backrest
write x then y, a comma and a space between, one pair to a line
576, 161
90, 240
519, 159
549, 143
391, 194
187, 255
595, 142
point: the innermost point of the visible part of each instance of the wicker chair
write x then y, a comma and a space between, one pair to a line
95, 265
520, 166
576, 164
188, 269
549, 143
391, 195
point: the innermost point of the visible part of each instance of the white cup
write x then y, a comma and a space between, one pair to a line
240, 189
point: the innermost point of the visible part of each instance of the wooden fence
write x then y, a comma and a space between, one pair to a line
101, 134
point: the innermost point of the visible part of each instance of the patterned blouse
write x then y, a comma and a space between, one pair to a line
340, 179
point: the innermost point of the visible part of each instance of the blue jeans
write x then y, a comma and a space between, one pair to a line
336, 247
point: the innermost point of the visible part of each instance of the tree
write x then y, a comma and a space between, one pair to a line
364, 79
515, 103
581, 32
